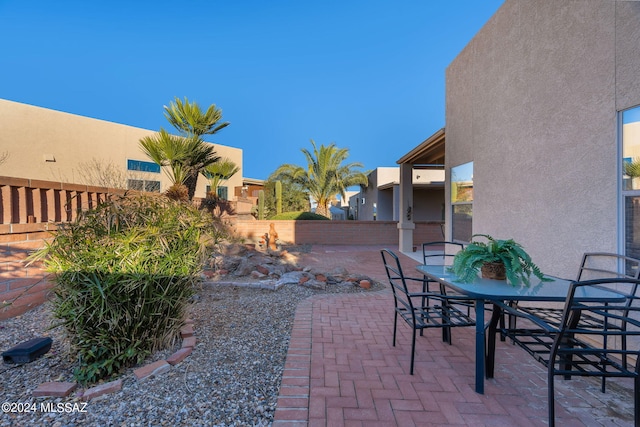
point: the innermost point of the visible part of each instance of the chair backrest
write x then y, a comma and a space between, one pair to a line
602, 265
440, 252
613, 330
396, 279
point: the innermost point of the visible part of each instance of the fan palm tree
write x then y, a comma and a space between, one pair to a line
218, 172
325, 175
187, 155
189, 120
183, 158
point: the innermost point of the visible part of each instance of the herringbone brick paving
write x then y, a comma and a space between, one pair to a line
342, 370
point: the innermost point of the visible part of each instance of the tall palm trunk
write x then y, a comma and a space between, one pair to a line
322, 210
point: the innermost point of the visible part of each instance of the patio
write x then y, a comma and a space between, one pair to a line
341, 369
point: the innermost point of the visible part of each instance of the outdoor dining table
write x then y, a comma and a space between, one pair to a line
489, 290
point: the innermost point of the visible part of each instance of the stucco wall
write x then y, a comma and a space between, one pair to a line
28, 133
532, 101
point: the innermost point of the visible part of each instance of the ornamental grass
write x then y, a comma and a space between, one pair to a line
124, 273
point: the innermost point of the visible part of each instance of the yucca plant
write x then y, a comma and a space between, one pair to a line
517, 263
124, 273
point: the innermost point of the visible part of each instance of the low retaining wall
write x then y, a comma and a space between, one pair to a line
337, 232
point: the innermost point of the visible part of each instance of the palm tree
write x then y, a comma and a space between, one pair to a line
189, 120
325, 175
186, 156
183, 158
218, 172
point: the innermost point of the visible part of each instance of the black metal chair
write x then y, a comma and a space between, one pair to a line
440, 253
590, 339
441, 312
594, 265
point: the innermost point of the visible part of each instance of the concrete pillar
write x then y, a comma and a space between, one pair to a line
405, 223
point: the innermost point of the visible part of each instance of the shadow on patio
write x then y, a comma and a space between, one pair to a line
341, 369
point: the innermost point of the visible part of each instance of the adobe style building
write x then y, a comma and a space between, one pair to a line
49, 145
542, 114
380, 199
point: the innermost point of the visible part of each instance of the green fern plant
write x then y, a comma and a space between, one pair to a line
518, 264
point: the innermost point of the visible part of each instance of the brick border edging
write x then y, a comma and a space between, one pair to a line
294, 397
63, 389
292, 407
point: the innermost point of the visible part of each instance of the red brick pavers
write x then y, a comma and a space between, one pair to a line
342, 370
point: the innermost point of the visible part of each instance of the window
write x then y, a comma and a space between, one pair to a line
223, 192
139, 165
135, 184
631, 180
143, 185
462, 202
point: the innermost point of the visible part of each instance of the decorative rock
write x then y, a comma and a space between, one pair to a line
303, 280
156, 368
365, 284
262, 269
258, 275
292, 277
179, 355
315, 284
189, 342
54, 389
321, 278
187, 330
208, 274
99, 390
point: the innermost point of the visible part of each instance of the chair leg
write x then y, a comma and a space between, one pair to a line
551, 396
636, 401
395, 326
413, 349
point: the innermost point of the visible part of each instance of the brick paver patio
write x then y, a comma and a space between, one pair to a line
341, 369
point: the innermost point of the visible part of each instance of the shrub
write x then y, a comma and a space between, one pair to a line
124, 273
299, 216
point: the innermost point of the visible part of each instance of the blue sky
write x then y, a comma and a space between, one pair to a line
366, 74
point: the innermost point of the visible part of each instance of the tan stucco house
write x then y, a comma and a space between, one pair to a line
380, 199
542, 114
49, 145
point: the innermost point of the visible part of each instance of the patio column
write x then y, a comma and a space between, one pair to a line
405, 223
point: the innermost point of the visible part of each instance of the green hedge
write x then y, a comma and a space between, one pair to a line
299, 216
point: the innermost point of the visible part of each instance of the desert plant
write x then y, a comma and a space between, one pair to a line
261, 204
632, 168
187, 155
124, 273
219, 172
278, 197
517, 263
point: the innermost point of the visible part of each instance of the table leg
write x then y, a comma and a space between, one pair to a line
479, 306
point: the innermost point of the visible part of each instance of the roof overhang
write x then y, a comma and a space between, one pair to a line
429, 152
252, 181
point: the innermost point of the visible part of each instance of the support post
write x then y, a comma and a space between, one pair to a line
405, 223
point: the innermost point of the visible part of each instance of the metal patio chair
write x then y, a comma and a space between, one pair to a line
441, 312
594, 265
590, 339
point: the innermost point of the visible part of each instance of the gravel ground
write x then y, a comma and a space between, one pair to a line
232, 377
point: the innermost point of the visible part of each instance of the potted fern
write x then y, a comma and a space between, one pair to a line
496, 259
